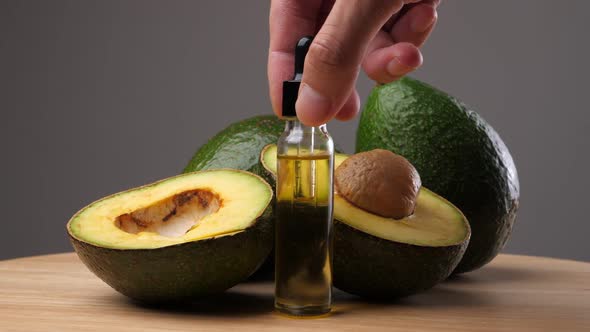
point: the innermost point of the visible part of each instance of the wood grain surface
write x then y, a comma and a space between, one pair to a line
513, 293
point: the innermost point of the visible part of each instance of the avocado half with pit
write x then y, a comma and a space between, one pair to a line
180, 238
457, 153
380, 257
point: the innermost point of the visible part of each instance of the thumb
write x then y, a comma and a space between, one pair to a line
334, 57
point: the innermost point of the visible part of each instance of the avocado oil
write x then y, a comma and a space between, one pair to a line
303, 246
304, 210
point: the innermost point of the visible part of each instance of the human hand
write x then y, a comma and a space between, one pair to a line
382, 36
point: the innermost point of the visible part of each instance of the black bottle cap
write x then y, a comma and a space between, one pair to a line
291, 87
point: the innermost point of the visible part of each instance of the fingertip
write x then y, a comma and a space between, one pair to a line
276, 99
424, 17
351, 107
416, 24
404, 62
407, 54
312, 119
390, 63
313, 108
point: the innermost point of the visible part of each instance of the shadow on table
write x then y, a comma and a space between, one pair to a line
498, 274
230, 303
447, 294
457, 291
448, 297
436, 297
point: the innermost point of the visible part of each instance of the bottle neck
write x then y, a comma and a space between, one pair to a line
300, 139
294, 124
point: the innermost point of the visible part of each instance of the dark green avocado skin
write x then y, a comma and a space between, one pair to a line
368, 266
238, 146
458, 155
185, 271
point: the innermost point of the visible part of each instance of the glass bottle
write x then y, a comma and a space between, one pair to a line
304, 210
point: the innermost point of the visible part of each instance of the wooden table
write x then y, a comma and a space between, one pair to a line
513, 293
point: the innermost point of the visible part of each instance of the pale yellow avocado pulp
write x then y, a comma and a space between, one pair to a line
435, 222
238, 198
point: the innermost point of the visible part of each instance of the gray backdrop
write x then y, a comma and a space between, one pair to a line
99, 96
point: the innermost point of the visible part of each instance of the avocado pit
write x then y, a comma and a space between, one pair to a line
379, 181
173, 216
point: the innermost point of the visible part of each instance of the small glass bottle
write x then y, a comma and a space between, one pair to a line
304, 210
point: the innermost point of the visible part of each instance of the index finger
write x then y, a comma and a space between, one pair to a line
289, 20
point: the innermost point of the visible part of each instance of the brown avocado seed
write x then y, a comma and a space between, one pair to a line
379, 181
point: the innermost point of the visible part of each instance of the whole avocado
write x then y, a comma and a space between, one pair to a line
458, 155
238, 146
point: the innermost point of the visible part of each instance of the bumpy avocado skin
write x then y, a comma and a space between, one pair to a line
185, 271
458, 155
238, 146
371, 267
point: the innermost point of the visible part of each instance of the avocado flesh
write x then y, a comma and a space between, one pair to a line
380, 257
457, 154
434, 223
243, 198
223, 247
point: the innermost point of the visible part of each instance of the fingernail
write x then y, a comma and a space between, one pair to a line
422, 23
396, 68
312, 107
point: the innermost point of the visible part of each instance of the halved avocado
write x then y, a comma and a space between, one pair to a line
381, 257
179, 238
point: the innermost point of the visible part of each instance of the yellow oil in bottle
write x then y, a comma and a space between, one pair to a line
303, 247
